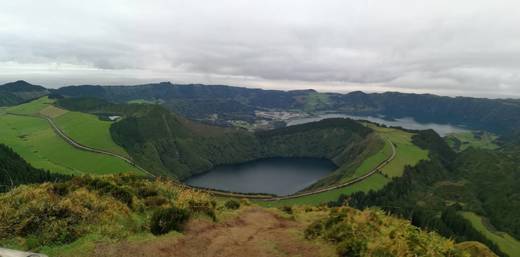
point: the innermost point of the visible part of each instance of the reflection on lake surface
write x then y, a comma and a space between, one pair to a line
408, 123
280, 176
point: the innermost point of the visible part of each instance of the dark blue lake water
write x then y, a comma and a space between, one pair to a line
280, 176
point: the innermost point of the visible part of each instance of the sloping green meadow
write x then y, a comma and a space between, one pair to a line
35, 141
505, 242
89, 130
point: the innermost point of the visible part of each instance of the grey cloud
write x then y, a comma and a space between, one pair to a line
448, 47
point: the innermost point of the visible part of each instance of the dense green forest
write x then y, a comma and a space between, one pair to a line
16, 171
433, 193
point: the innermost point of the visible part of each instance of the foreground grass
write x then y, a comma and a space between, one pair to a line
114, 216
505, 242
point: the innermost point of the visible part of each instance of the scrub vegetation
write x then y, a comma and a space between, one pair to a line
125, 214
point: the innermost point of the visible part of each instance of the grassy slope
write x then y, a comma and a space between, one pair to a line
88, 130
505, 242
375, 182
407, 154
36, 142
464, 140
369, 163
32, 107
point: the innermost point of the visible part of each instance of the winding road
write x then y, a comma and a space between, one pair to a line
79, 146
261, 197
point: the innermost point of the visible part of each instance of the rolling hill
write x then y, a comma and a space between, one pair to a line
20, 91
168, 144
200, 101
25, 129
470, 194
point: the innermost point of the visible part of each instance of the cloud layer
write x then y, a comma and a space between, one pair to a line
447, 47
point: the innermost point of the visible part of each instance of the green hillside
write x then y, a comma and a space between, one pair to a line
478, 139
165, 142
89, 130
168, 144
435, 192
407, 154
18, 92
505, 242
15, 171
34, 139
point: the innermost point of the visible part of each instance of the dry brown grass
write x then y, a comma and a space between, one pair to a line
256, 232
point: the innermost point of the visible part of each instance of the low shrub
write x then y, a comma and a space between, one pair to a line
287, 209
166, 220
314, 230
155, 201
351, 248
144, 192
372, 233
232, 204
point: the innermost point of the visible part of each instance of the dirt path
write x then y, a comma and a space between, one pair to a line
255, 233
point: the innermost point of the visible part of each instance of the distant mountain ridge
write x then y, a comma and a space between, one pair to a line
197, 101
20, 91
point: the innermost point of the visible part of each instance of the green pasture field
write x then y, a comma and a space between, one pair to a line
36, 142
484, 140
89, 130
407, 152
504, 241
31, 108
372, 161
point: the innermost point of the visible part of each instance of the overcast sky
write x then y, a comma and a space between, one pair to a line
448, 47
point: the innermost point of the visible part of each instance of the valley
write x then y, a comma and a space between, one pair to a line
369, 158
331, 128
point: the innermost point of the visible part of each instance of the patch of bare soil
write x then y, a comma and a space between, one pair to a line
256, 232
